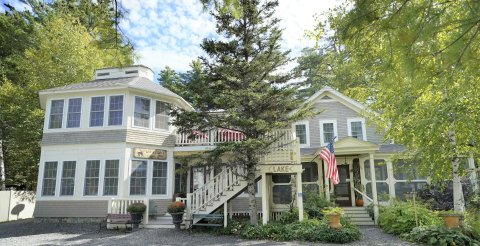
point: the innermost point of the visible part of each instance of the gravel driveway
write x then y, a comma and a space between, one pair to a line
26, 232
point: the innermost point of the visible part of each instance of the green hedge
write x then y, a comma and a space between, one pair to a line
399, 217
308, 230
437, 235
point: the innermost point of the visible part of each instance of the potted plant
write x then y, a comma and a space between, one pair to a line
333, 214
359, 202
136, 211
451, 219
176, 209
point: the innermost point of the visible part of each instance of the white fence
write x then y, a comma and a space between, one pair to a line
16, 205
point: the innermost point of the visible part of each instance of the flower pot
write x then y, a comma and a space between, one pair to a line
334, 220
136, 219
177, 219
359, 203
451, 220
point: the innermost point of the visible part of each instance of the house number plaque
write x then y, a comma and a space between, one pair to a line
158, 154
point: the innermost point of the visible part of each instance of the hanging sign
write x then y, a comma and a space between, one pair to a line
157, 154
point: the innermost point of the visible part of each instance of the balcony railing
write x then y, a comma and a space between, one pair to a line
208, 138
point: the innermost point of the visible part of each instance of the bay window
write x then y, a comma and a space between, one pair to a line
56, 114
142, 112
74, 112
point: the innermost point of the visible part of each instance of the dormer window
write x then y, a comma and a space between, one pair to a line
56, 114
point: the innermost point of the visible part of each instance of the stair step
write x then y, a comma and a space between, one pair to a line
360, 219
353, 208
362, 215
364, 223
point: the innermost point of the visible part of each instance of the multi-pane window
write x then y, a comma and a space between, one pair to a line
159, 178
301, 132
56, 114
110, 183
96, 111
138, 178
74, 111
161, 115
115, 111
92, 174
281, 189
357, 130
49, 178
328, 132
310, 177
68, 178
142, 112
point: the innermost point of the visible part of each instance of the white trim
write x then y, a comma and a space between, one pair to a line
307, 132
357, 119
335, 132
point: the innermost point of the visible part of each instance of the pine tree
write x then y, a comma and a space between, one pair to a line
243, 81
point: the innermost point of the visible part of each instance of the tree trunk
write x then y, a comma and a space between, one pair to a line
252, 202
458, 199
2, 166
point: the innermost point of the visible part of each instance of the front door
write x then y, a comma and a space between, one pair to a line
342, 189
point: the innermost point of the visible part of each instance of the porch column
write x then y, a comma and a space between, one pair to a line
327, 183
299, 196
265, 210
374, 188
225, 214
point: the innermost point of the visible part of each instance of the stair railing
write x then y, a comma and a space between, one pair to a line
214, 188
363, 194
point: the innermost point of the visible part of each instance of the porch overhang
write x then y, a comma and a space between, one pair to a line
352, 146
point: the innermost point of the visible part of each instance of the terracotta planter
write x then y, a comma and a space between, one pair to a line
359, 203
177, 219
334, 220
451, 220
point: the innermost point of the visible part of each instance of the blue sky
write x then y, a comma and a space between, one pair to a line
169, 32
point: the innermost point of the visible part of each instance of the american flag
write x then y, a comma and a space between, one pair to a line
328, 154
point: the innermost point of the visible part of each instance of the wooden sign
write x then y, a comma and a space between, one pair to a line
157, 154
281, 169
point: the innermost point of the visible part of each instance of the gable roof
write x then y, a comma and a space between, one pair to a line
331, 93
139, 83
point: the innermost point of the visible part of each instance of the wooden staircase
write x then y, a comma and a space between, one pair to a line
358, 216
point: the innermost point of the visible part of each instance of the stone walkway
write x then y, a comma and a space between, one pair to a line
28, 233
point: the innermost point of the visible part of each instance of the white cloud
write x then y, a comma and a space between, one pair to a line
167, 32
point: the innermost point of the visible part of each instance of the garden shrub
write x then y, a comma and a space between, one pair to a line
399, 217
289, 216
472, 217
437, 235
314, 205
441, 197
308, 230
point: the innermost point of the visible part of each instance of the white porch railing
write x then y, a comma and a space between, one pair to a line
120, 206
208, 138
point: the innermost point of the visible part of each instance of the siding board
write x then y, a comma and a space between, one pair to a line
82, 209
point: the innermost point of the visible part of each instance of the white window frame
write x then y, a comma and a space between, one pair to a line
149, 178
107, 110
150, 163
49, 109
307, 132
100, 174
56, 192
364, 129
105, 113
150, 113
335, 131
74, 179
154, 125
103, 166
67, 104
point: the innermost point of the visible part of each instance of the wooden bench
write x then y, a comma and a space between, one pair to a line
209, 218
119, 219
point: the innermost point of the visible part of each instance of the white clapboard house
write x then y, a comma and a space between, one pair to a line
107, 143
